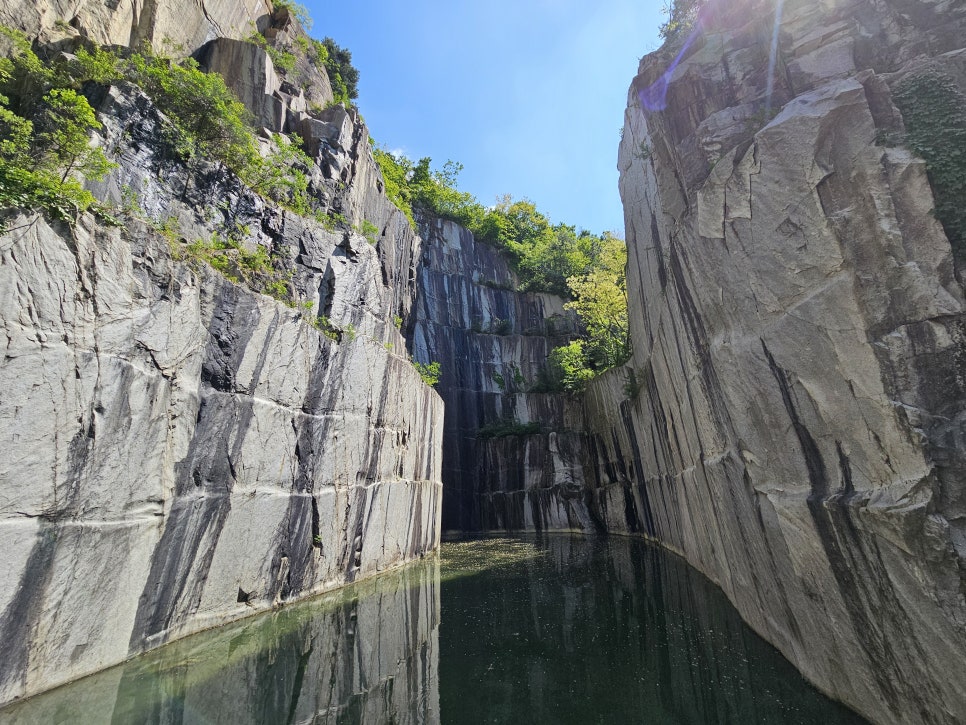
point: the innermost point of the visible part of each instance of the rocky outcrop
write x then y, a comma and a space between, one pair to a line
279, 99
179, 450
796, 427
492, 344
176, 27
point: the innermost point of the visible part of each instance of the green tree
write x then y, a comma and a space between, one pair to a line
297, 10
62, 136
45, 137
211, 122
282, 175
429, 372
343, 76
600, 300
568, 369
681, 16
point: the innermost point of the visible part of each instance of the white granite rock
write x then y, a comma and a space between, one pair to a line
797, 323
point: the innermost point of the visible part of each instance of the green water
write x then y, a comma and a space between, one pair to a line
548, 630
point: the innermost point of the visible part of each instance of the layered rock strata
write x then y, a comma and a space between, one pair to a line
492, 344
180, 450
796, 428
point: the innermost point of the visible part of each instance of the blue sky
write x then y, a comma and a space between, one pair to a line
528, 95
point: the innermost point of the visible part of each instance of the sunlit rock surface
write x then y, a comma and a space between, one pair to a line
798, 335
180, 451
176, 27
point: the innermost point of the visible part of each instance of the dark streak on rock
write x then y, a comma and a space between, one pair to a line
862, 580
179, 567
22, 614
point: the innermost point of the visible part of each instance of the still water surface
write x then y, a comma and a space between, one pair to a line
545, 630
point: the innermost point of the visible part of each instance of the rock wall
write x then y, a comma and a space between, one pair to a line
179, 450
173, 26
798, 329
492, 343
393, 678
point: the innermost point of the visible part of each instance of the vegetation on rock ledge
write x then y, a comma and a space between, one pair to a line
46, 124
584, 268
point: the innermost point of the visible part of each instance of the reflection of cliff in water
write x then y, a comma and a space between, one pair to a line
611, 631
368, 654
542, 630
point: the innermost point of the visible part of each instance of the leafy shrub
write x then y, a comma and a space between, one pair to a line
568, 369
600, 300
209, 121
681, 17
370, 231
429, 372
282, 176
46, 124
45, 138
337, 62
297, 10
318, 53
281, 59
395, 181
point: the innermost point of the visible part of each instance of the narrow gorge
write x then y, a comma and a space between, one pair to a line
216, 390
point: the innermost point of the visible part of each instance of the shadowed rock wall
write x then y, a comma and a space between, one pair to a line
798, 329
492, 342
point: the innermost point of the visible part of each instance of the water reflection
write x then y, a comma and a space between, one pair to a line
549, 630
366, 654
609, 631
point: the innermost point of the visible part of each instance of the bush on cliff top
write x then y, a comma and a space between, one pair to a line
681, 16
337, 62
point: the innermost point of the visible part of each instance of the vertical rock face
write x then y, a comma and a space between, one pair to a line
798, 330
492, 343
180, 451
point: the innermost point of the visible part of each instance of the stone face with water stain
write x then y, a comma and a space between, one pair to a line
179, 450
798, 330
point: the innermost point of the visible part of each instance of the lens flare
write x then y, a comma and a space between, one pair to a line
773, 55
654, 97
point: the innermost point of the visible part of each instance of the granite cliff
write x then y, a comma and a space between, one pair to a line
797, 317
181, 450
790, 421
